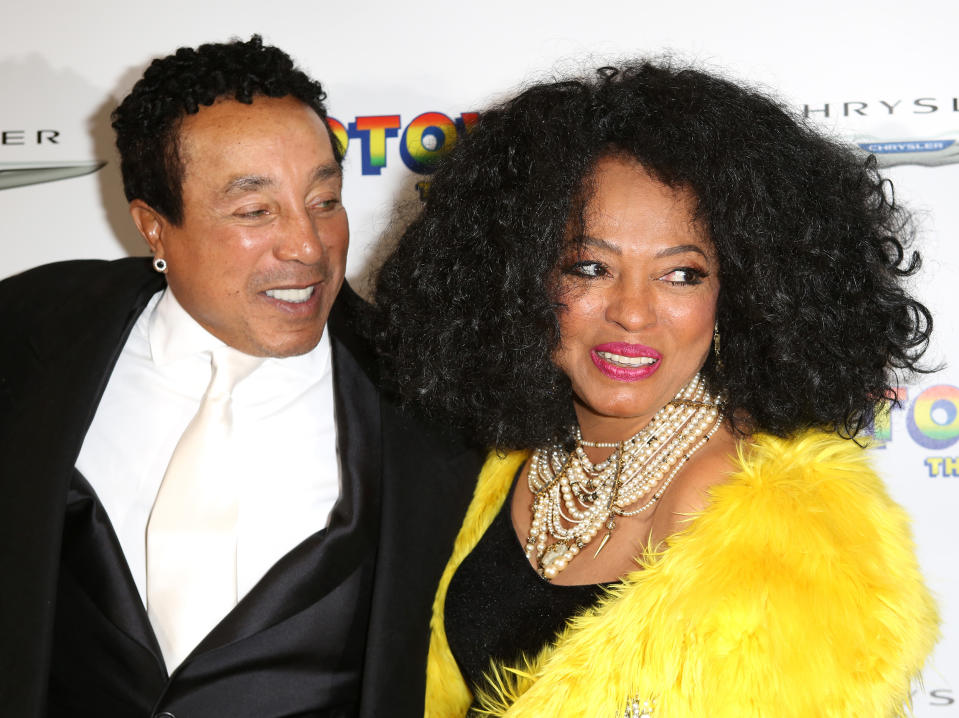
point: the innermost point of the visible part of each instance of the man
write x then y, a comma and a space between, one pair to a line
172, 545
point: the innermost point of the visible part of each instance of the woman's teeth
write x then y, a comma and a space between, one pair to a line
295, 296
620, 360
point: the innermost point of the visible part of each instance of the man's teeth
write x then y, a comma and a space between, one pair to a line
620, 360
295, 296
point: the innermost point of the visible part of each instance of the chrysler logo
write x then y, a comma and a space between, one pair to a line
931, 152
19, 174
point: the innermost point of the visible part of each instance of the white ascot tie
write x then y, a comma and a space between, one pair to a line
191, 534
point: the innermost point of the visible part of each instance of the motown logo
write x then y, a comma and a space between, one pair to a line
19, 174
928, 152
424, 140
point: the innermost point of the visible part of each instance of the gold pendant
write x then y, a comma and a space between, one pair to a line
605, 539
610, 525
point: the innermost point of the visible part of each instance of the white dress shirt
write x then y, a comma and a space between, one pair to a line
283, 423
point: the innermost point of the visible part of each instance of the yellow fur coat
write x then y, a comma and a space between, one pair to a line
795, 593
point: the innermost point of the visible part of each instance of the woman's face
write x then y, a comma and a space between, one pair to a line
639, 300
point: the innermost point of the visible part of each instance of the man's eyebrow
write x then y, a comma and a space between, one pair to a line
328, 171
254, 183
248, 183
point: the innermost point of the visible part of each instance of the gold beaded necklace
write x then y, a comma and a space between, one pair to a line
574, 499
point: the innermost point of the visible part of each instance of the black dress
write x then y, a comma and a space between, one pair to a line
499, 609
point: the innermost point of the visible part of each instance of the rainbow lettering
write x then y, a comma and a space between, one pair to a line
425, 140
373, 131
340, 133
933, 422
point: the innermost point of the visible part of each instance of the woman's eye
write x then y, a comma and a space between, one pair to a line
684, 275
587, 268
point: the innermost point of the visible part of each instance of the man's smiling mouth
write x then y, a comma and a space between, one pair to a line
294, 296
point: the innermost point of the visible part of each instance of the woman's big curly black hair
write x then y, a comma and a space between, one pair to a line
813, 314
147, 122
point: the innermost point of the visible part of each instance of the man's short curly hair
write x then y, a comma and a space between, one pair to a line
147, 122
814, 318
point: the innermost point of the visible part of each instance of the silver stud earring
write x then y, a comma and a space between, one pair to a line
159, 265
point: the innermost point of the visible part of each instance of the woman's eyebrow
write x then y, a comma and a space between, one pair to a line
680, 249
667, 252
602, 244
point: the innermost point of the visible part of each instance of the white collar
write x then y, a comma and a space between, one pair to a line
174, 335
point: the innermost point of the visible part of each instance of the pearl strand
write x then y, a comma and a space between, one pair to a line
568, 487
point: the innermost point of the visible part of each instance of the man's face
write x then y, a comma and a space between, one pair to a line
260, 254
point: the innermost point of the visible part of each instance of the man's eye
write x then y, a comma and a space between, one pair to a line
684, 276
587, 268
326, 204
252, 213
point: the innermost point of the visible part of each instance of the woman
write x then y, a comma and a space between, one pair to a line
676, 305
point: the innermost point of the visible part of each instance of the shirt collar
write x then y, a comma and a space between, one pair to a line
174, 335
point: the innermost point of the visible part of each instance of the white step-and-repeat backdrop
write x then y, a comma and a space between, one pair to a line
400, 76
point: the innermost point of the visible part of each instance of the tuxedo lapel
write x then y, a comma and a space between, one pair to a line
104, 649
92, 554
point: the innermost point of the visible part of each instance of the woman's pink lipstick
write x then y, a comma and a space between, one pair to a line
628, 351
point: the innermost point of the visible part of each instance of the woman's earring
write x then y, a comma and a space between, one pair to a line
159, 265
719, 362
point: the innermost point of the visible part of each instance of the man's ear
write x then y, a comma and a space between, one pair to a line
151, 225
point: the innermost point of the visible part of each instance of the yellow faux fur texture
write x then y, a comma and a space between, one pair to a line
795, 593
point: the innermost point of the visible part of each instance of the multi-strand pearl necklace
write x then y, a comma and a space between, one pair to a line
574, 499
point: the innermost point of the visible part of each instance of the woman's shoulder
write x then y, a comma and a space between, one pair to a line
815, 479
812, 454
813, 491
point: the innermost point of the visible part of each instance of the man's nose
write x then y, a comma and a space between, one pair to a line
300, 239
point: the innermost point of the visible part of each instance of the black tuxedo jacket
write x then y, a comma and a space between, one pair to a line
366, 581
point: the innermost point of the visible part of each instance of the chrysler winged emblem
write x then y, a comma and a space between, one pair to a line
18, 174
